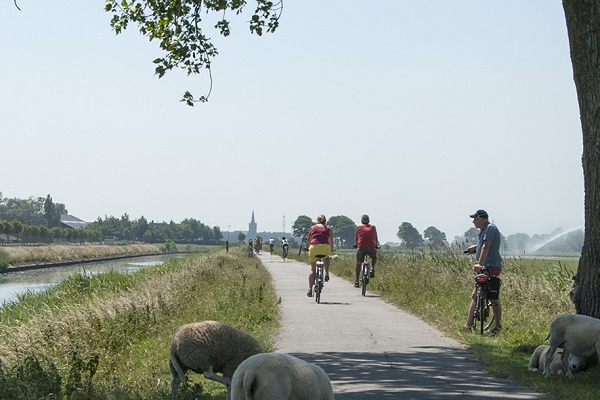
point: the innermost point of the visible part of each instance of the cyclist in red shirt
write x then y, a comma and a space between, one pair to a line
366, 242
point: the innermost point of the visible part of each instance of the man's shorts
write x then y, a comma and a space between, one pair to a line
493, 283
318, 249
494, 288
371, 251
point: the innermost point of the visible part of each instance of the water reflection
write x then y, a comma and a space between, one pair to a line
14, 283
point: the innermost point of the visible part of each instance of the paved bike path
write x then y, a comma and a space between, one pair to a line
373, 350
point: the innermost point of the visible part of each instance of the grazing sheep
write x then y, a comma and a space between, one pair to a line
209, 347
577, 334
277, 376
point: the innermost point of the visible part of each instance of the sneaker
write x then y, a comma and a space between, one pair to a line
496, 330
372, 273
327, 278
468, 329
356, 284
309, 294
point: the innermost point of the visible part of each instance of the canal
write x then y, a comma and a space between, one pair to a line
15, 283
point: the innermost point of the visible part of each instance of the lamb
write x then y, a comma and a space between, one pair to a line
209, 347
538, 361
576, 334
278, 376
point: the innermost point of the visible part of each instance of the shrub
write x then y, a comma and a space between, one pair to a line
3, 261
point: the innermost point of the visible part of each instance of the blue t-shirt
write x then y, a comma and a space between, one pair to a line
490, 233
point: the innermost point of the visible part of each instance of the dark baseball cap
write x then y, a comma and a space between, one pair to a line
480, 213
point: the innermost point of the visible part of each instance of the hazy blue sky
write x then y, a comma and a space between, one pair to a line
418, 111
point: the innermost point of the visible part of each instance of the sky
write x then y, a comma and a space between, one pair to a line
409, 111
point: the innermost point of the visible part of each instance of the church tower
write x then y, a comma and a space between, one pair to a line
252, 228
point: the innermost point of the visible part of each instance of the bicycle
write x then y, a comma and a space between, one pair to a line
482, 302
319, 281
366, 273
284, 252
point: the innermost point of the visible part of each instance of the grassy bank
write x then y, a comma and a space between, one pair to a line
437, 287
33, 254
107, 336
11, 256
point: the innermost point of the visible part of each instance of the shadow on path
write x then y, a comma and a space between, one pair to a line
427, 373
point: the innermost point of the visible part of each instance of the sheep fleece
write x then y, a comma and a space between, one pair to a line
278, 376
577, 334
202, 345
538, 360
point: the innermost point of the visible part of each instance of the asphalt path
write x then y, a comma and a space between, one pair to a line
373, 350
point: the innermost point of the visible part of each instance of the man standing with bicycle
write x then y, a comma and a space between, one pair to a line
489, 262
366, 242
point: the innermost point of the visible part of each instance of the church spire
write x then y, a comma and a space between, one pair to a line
252, 233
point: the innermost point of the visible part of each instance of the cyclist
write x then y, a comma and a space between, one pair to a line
257, 245
284, 245
489, 262
366, 242
271, 245
304, 240
320, 240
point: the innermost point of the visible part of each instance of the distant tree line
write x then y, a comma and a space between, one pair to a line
38, 219
343, 229
34, 211
411, 238
569, 241
189, 230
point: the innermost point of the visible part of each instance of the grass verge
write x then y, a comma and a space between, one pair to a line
34, 254
436, 286
107, 336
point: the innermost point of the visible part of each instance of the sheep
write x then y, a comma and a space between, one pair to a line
209, 347
576, 334
278, 376
538, 361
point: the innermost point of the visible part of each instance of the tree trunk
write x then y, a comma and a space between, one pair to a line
583, 26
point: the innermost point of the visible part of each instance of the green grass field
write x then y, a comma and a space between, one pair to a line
107, 336
436, 286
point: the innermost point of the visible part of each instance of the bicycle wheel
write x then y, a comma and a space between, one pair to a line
481, 303
318, 291
489, 324
365, 281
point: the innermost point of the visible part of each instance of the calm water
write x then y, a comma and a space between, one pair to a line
14, 283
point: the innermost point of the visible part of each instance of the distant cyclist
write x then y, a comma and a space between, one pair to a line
285, 246
271, 245
257, 245
366, 242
